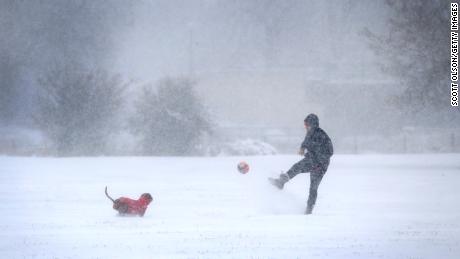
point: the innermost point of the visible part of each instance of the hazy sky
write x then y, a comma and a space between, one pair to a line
256, 63
254, 60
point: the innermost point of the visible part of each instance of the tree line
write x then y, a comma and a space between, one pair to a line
82, 112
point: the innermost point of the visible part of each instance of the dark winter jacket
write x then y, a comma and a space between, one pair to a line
317, 143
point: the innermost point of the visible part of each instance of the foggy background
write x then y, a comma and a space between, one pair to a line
224, 77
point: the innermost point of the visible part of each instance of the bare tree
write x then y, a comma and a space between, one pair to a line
415, 49
79, 109
36, 34
170, 120
12, 60
9, 70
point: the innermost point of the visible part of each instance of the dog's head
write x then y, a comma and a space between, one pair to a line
147, 197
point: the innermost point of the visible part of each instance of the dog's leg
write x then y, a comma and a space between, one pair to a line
123, 208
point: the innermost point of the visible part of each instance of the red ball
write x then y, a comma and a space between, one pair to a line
243, 167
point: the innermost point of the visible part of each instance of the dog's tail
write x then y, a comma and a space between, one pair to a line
108, 196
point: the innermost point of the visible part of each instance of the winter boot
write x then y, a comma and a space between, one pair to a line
279, 182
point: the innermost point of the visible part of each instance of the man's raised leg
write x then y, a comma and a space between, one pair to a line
303, 166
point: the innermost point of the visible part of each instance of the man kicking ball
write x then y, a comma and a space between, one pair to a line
316, 161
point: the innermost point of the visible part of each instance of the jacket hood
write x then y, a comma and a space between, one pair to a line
312, 120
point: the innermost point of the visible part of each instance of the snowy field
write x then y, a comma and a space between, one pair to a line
369, 206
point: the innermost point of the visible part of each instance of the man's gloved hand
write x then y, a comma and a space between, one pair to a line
301, 152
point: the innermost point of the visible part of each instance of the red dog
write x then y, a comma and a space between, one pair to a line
127, 206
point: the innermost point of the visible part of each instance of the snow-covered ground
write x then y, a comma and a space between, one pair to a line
369, 206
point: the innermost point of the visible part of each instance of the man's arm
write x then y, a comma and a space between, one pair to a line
303, 146
301, 151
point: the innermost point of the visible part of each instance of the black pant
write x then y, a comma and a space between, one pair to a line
316, 171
